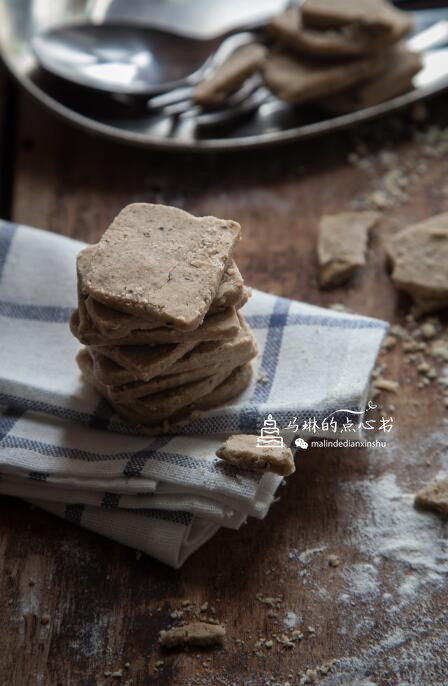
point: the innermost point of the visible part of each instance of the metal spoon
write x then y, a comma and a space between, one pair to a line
144, 47
126, 60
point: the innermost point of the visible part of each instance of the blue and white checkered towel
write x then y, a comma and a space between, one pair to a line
62, 448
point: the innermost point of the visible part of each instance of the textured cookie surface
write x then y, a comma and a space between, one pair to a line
402, 66
116, 324
300, 80
347, 41
232, 352
342, 244
140, 389
146, 361
377, 15
153, 408
233, 384
195, 634
419, 254
227, 78
434, 497
242, 450
162, 262
221, 325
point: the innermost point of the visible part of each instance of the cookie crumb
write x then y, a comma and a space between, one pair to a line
195, 634
333, 560
387, 385
243, 450
434, 496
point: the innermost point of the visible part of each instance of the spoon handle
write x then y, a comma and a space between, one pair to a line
221, 54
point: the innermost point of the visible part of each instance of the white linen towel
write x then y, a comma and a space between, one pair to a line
62, 447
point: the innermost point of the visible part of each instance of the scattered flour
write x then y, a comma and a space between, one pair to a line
362, 579
292, 619
306, 555
443, 377
392, 528
390, 591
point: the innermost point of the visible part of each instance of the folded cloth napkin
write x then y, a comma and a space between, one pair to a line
63, 448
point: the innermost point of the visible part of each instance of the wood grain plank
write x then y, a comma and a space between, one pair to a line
8, 122
106, 607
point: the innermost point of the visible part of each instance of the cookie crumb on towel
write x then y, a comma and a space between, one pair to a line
242, 450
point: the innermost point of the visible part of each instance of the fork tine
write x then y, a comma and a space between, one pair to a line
159, 102
179, 109
228, 114
232, 114
186, 108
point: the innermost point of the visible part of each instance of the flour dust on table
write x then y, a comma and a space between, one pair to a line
398, 568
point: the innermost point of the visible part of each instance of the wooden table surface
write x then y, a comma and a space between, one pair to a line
384, 613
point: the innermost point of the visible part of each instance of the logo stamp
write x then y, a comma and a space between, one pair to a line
270, 435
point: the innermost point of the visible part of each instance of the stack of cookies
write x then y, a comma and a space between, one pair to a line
158, 301
340, 54
344, 54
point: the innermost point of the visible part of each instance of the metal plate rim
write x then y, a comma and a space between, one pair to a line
220, 144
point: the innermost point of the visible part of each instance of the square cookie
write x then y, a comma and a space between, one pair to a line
162, 263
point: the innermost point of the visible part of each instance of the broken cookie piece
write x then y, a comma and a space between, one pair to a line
227, 78
342, 243
242, 450
199, 634
419, 255
434, 496
387, 385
